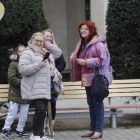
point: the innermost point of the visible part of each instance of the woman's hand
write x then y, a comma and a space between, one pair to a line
43, 63
71, 57
81, 61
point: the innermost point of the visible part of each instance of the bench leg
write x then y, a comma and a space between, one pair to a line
110, 121
113, 121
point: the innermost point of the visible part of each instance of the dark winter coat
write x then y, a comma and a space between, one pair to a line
14, 78
60, 63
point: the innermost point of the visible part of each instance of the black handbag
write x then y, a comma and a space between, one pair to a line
99, 85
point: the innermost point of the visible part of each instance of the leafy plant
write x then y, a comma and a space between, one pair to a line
123, 37
22, 18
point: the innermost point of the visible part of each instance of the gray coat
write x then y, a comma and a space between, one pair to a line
35, 83
53, 49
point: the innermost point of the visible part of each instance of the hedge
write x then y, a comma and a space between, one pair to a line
22, 18
123, 37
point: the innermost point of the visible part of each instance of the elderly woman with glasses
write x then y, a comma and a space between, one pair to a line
91, 57
35, 84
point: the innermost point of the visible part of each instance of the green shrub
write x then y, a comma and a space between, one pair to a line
22, 18
123, 37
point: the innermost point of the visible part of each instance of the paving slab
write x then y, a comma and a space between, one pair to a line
109, 134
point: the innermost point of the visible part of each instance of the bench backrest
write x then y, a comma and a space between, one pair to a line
73, 90
4, 89
118, 88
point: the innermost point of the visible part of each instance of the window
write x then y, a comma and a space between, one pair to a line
87, 9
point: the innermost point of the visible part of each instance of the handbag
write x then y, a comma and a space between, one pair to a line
57, 81
99, 86
56, 88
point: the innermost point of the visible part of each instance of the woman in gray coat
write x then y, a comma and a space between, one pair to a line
35, 84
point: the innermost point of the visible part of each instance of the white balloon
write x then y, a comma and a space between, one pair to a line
2, 10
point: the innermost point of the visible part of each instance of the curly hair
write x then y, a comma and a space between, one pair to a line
91, 26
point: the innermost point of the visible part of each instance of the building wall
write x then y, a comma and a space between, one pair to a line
75, 15
63, 16
56, 16
98, 13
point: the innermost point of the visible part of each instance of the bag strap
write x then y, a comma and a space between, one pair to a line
96, 49
98, 56
96, 69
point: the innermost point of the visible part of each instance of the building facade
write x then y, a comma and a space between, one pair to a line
63, 17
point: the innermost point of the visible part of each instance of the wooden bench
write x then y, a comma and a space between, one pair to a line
4, 88
73, 90
118, 88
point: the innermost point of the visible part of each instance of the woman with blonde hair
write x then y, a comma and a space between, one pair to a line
35, 84
60, 65
49, 36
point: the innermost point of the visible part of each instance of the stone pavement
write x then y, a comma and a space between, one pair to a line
109, 134
120, 133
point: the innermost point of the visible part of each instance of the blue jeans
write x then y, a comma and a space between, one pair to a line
96, 112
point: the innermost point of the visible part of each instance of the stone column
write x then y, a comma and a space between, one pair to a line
98, 13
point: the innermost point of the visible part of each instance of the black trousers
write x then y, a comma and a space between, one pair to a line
39, 116
53, 108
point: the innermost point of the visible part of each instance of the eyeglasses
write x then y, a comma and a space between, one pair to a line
38, 41
85, 29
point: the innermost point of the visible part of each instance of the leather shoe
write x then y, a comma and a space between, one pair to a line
89, 134
97, 136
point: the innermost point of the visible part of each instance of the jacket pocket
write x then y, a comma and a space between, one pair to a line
87, 79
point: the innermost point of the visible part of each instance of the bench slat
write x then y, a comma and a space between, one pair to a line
75, 92
4, 86
123, 85
72, 83
81, 96
4, 90
4, 95
3, 99
122, 106
124, 94
82, 108
113, 82
126, 81
105, 107
72, 87
130, 91
123, 90
112, 86
79, 82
